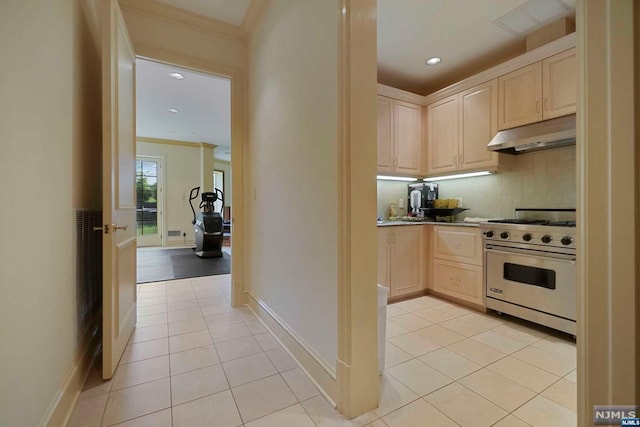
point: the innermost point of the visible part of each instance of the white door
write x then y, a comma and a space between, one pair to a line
149, 200
118, 187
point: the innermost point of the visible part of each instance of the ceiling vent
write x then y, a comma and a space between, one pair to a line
532, 15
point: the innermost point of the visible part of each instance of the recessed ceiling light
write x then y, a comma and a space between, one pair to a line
171, 130
434, 61
173, 110
177, 76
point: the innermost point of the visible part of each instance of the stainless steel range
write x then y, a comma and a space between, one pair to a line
530, 266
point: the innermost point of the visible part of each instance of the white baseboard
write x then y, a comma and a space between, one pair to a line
317, 370
66, 398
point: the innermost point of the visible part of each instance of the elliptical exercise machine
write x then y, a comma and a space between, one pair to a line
208, 223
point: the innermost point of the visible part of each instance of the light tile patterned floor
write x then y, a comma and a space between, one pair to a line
195, 361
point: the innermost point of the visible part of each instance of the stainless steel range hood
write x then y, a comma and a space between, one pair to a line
551, 133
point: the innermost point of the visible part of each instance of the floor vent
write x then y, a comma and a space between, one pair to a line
173, 233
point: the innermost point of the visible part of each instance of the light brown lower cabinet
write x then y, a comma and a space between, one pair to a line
458, 280
456, 263
401, 259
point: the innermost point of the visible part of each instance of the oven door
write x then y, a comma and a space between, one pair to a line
538, 280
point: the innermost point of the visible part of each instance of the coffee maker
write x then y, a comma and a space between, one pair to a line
421, 195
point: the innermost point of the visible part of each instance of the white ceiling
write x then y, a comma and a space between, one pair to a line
230, 11
461, 32
203, 103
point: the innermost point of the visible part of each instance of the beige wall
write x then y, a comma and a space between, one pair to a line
542, 179
293, 128
50, 133
181, 173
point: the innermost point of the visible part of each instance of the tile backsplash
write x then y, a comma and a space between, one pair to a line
542, 179
391, 192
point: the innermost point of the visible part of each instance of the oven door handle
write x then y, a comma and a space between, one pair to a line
556, 257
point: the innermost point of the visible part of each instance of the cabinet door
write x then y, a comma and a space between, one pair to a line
520, 97
559, 84
383, 256
458, 280
385, 134
442, 136
478, 124
406, 260
407, 141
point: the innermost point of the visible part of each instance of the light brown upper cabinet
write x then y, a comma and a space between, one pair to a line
442, 135
478, 124
460, 127
385, 134
540, 91
399, 137
559, 84
520, 97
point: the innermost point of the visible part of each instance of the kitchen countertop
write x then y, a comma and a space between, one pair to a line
396, 223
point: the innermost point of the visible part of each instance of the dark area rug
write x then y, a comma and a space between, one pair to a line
156, 265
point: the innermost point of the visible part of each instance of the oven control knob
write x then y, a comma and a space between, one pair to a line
489, 234
526, 237
566, 240
546, 239
504, 235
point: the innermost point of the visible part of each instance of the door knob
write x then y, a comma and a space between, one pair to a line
105, 228
117, 227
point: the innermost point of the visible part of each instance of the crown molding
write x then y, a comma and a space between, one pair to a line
535, 55
183, 17
402, 95
156, 54
252, 16
175, 142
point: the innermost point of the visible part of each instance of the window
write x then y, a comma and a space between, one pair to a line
218, 182
147, 196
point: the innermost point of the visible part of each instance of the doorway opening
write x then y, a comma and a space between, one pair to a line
183, 120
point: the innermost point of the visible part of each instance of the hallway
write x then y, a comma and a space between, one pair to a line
196, 361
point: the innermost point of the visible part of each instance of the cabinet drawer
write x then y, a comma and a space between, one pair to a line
461, 244
458, 280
